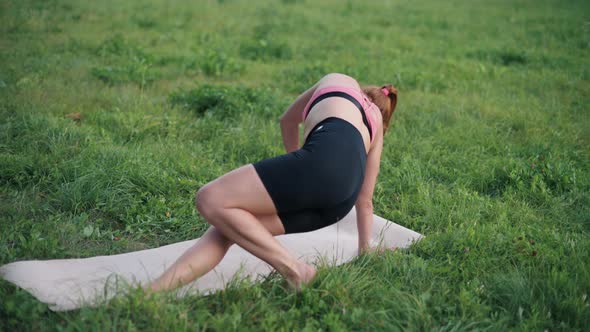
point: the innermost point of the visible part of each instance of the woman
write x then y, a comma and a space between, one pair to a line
303, 190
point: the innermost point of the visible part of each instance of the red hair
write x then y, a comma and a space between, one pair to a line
385, 102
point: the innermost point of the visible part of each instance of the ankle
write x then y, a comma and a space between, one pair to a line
290, 270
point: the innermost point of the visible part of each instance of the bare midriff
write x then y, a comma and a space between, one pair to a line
339, 108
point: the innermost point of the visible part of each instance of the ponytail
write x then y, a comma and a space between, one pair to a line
385, 98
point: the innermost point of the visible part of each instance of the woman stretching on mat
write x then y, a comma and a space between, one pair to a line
308, 188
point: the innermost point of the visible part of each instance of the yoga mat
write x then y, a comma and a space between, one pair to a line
67, 284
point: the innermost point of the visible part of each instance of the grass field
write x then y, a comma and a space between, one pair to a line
113, 113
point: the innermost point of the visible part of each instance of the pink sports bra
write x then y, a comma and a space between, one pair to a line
362, 102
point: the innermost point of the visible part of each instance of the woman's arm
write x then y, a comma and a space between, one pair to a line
364, 203
291, 119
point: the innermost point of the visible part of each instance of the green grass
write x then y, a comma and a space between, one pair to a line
487, 155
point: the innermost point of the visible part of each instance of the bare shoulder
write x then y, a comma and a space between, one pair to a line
338, 79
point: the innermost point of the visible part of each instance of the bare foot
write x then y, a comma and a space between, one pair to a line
305, 275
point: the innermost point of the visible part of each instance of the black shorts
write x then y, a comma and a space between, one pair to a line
318, 184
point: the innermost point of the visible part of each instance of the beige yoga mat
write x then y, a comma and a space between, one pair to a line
67, 284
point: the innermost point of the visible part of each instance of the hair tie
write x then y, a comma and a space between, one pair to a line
385, 91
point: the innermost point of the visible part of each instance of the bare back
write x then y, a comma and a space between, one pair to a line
340, 108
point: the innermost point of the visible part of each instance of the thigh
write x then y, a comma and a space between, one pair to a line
271, 222
242, 188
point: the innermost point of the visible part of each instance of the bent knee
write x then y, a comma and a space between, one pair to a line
208, 201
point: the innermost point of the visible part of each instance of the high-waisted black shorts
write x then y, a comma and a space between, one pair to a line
318, 184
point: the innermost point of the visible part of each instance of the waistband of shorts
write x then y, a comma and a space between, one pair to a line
342, 124
333, 119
